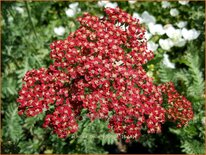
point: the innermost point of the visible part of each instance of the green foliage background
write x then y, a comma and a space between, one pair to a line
25, 44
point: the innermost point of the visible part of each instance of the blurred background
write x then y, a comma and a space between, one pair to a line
176, 34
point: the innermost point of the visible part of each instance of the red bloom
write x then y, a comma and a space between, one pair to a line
99, 67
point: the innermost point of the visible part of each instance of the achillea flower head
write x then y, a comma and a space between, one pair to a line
99, 68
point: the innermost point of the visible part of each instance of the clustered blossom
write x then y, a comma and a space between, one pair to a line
99, 68
179, 108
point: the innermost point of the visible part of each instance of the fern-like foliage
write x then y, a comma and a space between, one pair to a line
166, 74
193, 147
192, 85
92, 136
12, 123
193, 62
30, 146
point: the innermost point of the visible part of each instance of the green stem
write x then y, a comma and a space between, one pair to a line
30, 20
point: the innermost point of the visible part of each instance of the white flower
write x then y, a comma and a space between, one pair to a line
106, 4
147, 18
73, 5
179, 42
166, 44
152, 46
183, 2
167, 62
19, 9
165, 4
181, 24
59, 30
174, 12
137, 16
102, 3
175, 35
70, 12
111, 5
156, 29
190, 34
172, 32
132, 1
148, 35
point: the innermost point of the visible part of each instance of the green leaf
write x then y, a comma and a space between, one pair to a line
12, 123
166, 74
193, 147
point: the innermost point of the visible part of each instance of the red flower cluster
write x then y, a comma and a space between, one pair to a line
99, 68
179, 108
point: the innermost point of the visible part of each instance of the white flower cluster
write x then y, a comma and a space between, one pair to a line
177, 35
107, 3
145, 17
173, 12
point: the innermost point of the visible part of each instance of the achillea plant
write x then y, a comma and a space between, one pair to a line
99, 68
